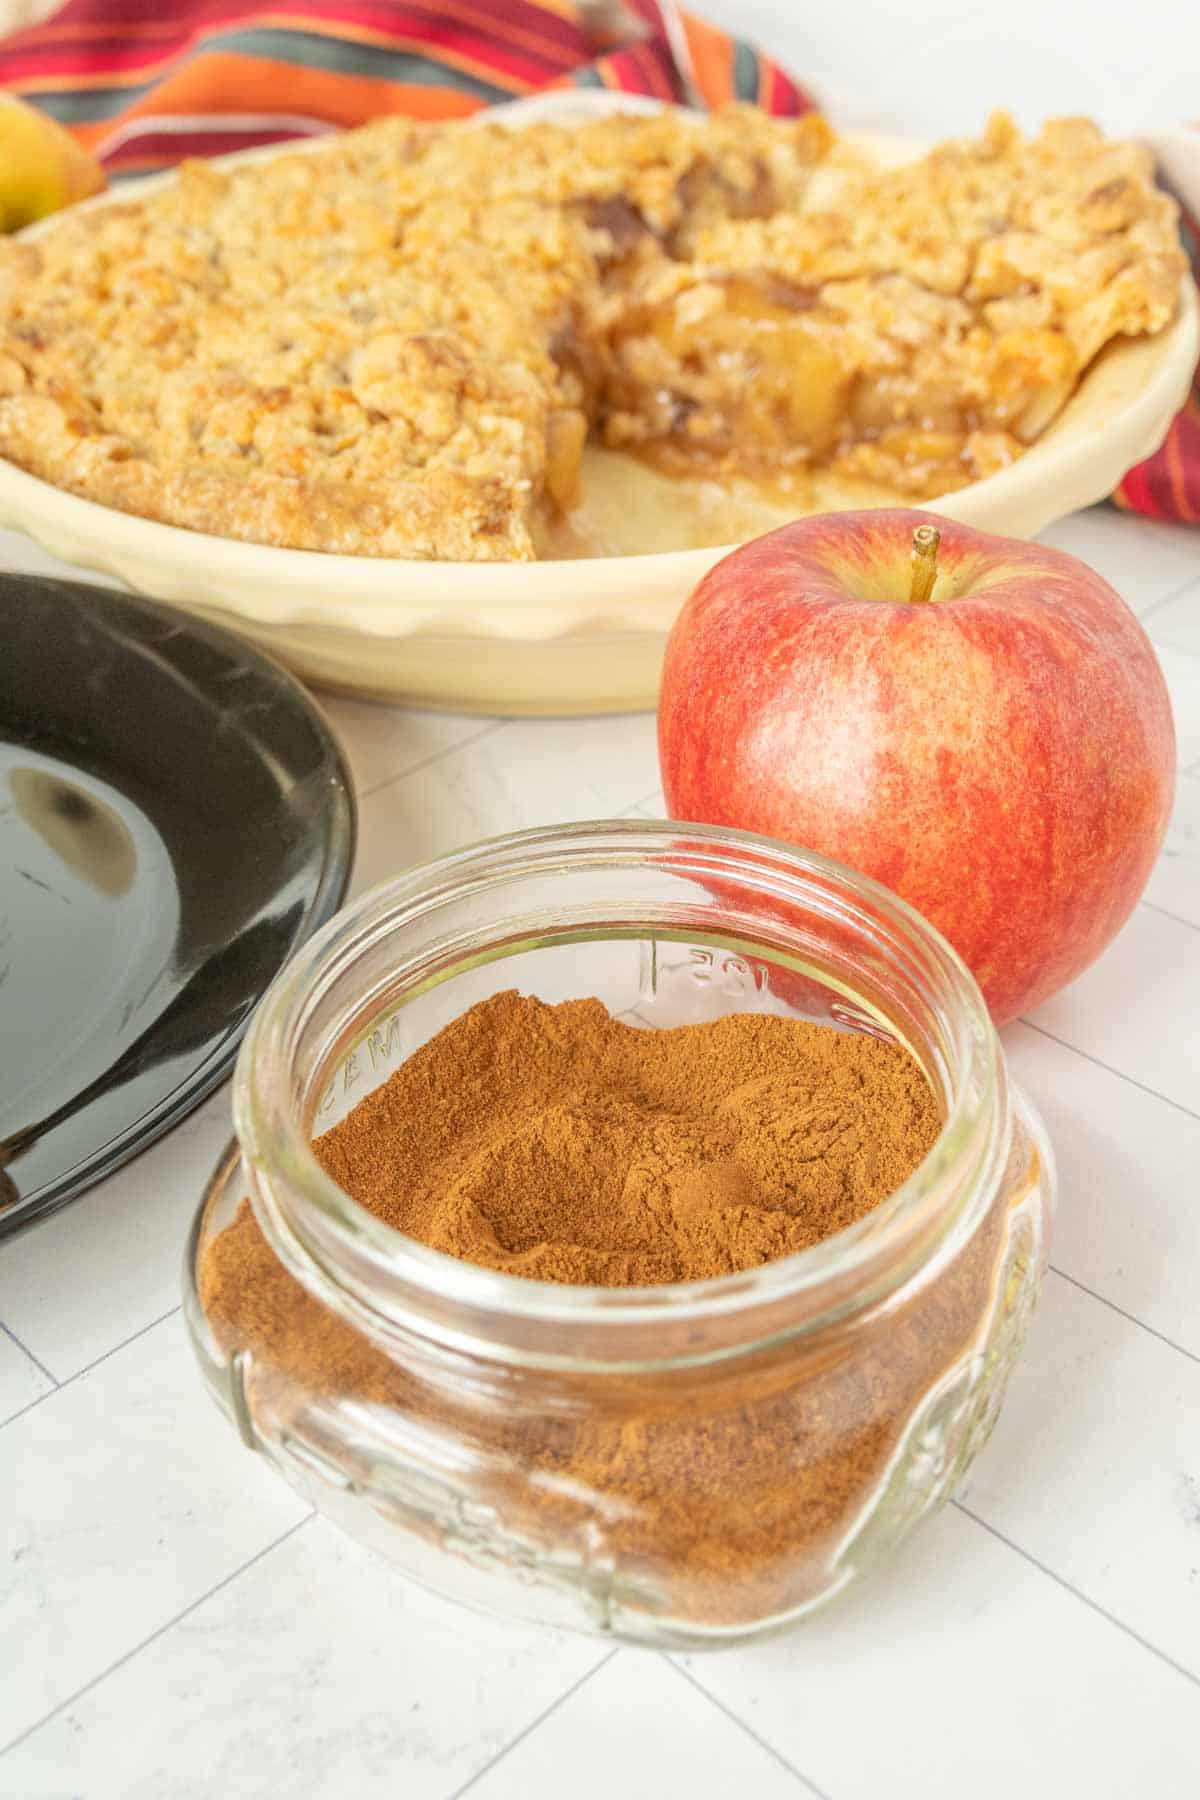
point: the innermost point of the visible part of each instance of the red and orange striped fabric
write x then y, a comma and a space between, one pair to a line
141, 89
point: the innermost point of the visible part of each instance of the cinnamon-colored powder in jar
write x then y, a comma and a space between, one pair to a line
561, 1145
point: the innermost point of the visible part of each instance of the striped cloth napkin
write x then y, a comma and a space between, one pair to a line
140, 86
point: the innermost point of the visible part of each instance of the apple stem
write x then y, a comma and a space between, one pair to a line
926, 539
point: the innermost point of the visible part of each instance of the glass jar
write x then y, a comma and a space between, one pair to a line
677, 1466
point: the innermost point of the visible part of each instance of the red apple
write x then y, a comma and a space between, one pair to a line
1001, 754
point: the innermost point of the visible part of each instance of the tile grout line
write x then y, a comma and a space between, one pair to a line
1084, 1599
534, 1723
1190, 582
1165, 913
35, 1360
426, 762
736, 1719
160, 1631
1120, 1074
1162, 640
652, 795
1120, 1310
69, 1380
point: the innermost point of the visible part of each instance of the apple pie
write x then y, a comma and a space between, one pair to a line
397, 343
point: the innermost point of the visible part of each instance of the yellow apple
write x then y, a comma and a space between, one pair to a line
41, 166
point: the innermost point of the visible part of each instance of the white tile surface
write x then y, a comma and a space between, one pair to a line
126, 1497
316, 1675
92, 1275
1137, 1009
607, 1739
529, 772
1127, 1218
1145, 561
382, 742
1175, 884
1182, 670
21, 1381
1177, 620
965, 1672
1098, 1406
21, 553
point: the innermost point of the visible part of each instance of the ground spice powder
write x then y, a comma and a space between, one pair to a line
560, 1144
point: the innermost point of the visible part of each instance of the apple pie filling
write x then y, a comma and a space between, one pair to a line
399, 344
919, 329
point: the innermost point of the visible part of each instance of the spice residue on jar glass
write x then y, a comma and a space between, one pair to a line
559, 1144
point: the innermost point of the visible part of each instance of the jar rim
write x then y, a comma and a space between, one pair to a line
324, 1224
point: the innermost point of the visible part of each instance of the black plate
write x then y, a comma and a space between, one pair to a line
175, 819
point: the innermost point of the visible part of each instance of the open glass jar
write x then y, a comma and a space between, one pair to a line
679, 1466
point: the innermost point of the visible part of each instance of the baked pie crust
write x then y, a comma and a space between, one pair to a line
398, 344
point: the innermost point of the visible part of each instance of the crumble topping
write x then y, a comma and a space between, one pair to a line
396, 344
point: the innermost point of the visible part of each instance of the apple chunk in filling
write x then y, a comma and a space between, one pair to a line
735, 370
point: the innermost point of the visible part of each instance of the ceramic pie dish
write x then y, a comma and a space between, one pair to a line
575, 635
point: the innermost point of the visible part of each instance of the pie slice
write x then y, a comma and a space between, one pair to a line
919, 328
